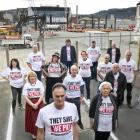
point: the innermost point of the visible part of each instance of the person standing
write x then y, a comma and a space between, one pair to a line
33, 91
58, 119
128, 67
75, 89
84, 70
103, 68
68, 54
118, 82
103, 112
35, 60
94, 53
16, 76
53, 72
114, 53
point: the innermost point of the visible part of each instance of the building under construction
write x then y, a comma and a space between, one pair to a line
52, 14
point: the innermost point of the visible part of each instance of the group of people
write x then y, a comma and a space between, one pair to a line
65, 78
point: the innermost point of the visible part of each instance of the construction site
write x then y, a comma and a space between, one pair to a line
50, 26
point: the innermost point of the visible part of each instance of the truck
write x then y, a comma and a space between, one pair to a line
13, 42
54, 27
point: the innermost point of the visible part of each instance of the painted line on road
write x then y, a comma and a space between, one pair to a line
113, 136
10, 125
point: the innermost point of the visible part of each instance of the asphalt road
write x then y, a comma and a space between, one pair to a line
129, 122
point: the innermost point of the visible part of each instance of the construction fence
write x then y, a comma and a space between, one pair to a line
49, 45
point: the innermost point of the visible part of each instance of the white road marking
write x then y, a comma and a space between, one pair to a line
10, 125
113, 136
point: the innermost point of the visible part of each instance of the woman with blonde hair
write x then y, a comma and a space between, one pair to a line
33, 91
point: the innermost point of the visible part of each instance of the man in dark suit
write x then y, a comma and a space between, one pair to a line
68, 54
114, 53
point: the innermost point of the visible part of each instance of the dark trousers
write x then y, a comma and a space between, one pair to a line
120, 98
101, 135
16, 92
129, 88
69, 64
94, 70
77, 102
50, 81
87, 83
39, 74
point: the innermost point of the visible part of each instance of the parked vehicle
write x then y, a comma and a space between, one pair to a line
12, 42
53, 27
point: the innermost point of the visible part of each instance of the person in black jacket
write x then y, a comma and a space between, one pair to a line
114, 53
118, 82
68, 54
103, 112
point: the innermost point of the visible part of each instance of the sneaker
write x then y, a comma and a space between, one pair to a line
21, 107
88, 102
33, 136
80, 124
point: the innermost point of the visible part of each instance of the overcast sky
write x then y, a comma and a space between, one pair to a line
84, 6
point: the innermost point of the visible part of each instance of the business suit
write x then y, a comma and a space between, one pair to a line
117, 56
63, 57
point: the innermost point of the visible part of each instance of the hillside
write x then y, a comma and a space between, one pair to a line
118, 13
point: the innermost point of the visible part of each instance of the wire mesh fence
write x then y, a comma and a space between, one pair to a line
123, 40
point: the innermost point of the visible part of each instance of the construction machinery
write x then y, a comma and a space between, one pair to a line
75, 28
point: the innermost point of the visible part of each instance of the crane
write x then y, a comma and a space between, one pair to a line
66, 8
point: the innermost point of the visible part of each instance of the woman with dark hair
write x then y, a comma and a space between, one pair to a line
54, 72
15, 75
33, 91
103, 112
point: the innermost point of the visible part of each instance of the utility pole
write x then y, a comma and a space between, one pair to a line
106, 21
77, 14
92, 22
98, 23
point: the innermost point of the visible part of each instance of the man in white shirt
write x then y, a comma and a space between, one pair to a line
75, 89
128, 67
84, 70
103, 68
58, 119
35, 60
94, 53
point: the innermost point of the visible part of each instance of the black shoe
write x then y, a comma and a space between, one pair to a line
130, 106
80, 124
